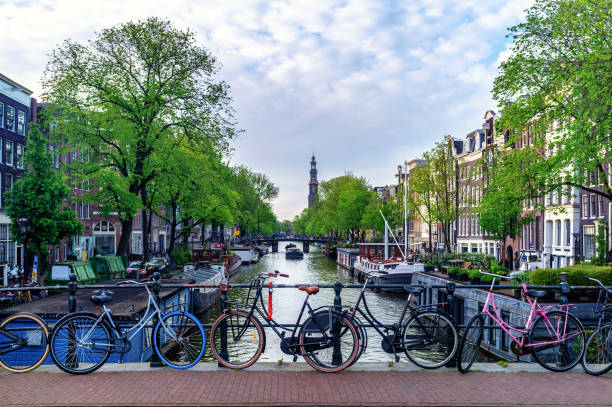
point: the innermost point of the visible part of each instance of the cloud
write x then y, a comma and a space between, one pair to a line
365, 84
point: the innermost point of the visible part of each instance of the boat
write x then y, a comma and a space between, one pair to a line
330, 251
393, 270
289, 246
214, 274
294, 253
254, 256
215, 255
244, 252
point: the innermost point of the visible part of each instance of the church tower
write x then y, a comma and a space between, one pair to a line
313, 184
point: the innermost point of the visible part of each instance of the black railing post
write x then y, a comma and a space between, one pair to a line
565, 289
337, 355
72, 288
156, 288
72, 355
223, 352
452, 310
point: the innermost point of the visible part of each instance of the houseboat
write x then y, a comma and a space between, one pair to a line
347, 256
389, 268
215, 255
245, 253
203, 298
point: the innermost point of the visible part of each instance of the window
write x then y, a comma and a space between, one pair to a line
568, 232
585, 206
10, 118
1, 115
19, 156
601, 206
9, 152
9, 182
558, 233
21, 122
593, 205
86, 211
588, 234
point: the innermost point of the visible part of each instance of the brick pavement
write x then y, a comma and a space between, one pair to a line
350, 388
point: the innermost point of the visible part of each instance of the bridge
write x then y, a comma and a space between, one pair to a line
306, 240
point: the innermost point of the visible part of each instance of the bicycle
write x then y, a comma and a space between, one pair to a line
327, 339
553, 336
597, 357
428, 336
23, 342
82, 342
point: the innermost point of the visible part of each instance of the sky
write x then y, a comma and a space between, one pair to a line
362, 84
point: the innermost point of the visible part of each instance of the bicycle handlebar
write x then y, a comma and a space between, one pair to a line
593, 279
496, 275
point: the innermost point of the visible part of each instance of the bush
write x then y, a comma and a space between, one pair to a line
485, 278
181, 256
474, 274
453, 270
464, 272
498, 269
574, 275
480, 260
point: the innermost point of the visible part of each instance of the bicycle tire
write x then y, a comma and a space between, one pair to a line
344, 331
363, 336
469, 345
597, 356
66, 333
182, 345
565, 355
433, 349
28, 357
240, 351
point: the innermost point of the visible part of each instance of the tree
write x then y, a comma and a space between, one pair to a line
254, 193
557, 82
38, 197
136, 89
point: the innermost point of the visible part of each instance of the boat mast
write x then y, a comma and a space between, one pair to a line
405, 211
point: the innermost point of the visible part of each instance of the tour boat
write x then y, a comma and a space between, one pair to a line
214, 255
393, 270
294, 253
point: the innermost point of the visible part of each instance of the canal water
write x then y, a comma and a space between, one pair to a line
315, 268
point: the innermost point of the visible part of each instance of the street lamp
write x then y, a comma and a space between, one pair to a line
24, 230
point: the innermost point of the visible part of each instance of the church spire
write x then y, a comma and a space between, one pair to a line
313, 183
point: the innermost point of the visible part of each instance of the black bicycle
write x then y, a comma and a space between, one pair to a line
428, 336
327, 339
24, 342
597, 356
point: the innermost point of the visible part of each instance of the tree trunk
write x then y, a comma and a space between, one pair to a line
173, 224
124, 240
145, 235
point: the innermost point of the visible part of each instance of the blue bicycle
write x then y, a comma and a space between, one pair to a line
81, 342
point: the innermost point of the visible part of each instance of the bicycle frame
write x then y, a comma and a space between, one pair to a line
10, 347
535, 309
129, 333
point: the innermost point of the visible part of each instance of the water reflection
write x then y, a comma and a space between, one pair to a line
315, 268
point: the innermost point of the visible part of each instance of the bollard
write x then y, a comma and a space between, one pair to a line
72, 356
565, 289
452, 310
156, 288
337, 354
223, 352
72, 287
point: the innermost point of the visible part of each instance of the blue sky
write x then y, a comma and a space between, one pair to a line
364, 84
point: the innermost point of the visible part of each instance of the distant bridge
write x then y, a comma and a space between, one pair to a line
306, 240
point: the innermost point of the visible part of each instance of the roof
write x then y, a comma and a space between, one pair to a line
15, 84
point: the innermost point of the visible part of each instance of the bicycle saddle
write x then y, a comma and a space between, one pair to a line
536, 293
101, 297
310, 290
413, 289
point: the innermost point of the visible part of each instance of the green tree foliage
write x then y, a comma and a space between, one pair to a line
558, 81
133, 92
253, 212
38, 197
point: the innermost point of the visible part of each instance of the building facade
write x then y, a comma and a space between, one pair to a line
16, 111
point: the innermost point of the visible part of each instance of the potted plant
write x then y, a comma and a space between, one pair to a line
453, 272
463, 275
429, 267
532, 258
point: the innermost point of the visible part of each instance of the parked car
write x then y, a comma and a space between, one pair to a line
137, 269
158, 264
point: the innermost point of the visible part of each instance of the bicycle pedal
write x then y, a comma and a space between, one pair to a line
295, 358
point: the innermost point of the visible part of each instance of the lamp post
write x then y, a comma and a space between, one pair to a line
24, 231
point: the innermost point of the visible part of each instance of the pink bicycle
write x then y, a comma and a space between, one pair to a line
554, 337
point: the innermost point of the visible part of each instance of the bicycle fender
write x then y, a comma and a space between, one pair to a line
320, 320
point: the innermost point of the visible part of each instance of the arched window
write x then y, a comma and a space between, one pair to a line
104, 226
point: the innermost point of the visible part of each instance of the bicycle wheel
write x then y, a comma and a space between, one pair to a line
329, 346
244, 337
556, 356
469, 346
430, 339
179, 340
597, 356
79, 345
30, 348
